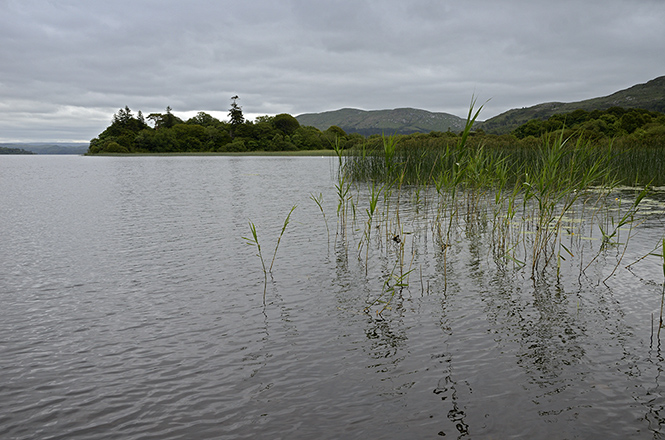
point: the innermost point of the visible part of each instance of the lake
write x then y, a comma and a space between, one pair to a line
133, 308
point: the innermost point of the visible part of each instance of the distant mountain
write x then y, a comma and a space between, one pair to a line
400, 121
10, 150
648, 96
49, 147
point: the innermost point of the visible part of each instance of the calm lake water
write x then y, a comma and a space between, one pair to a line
133, 309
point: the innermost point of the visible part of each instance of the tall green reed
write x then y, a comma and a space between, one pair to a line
279, 239
254, 241
319, 202
525, 195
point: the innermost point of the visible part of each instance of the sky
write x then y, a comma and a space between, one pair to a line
67, 66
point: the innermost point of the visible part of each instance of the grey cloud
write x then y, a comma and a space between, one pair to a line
66, 66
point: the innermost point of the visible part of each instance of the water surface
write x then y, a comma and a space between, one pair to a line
132, 308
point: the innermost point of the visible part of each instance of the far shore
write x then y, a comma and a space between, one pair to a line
243, 153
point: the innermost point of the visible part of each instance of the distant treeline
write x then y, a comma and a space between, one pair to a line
612, 122
6, 150
204, 133
623, 128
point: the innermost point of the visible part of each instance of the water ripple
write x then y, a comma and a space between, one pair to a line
131, 308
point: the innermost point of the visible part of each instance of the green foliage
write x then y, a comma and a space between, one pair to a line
235, 113
204, 133
307, 138
649, 96
597, 124
165, 120
203, 119
636, 138
114, 147
119, 136
8, 150
285, 123
254, 241
237, 146
637, 158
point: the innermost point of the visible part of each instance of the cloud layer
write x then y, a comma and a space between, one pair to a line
67, 66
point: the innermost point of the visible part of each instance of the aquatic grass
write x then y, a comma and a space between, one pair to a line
254, 241
342, 187
389, 148
610, 232
662, 296
391, 286
628, 218
661, 244
279, 239
338, 148
371, 210
529, 200
555, 182
319, 202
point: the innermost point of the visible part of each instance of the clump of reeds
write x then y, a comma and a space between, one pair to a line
527, 191
556, 182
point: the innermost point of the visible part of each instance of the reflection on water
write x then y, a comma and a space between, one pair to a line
132, 308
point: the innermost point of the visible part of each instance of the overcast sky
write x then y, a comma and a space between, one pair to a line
67, 66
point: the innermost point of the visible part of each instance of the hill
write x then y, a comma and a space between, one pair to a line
400, 121
648, 96
10, 150
49, 148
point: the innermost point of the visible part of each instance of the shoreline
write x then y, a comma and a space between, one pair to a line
236, 153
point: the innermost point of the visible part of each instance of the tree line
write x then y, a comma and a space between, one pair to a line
167, 133
9, 150
612, 122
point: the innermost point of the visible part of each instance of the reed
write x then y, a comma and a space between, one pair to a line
343, 187
254, 241
662, 296
542, 182
279, 239
522, 198
556, 182
319, 202
392, 285
370, 210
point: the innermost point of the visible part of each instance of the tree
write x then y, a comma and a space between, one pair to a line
264, 118
286, 123
235, 113
203, 119
167, 120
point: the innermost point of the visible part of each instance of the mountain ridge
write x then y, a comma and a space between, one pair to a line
403, 120
48, 147
647, 96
